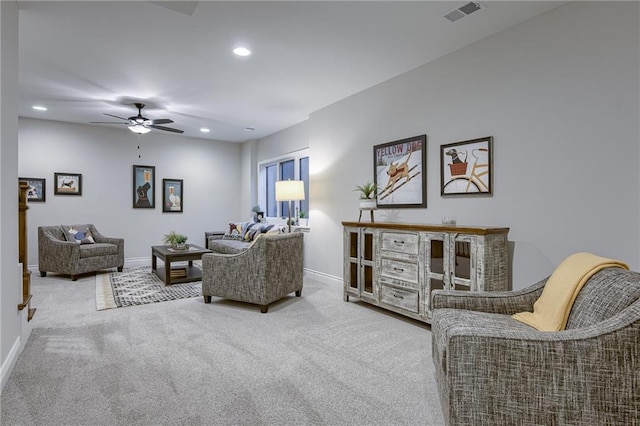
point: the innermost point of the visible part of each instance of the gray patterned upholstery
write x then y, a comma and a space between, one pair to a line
268, 270
56, 254
494, 370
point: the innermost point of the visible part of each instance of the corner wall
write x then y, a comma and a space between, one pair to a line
559, 94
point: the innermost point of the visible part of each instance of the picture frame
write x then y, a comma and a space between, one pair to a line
466, 168
67, 183
37, 191
400, 173
172, 195
144, 187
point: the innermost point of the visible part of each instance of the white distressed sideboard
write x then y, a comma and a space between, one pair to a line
397, 266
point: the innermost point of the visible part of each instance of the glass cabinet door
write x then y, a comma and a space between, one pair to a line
366, 263
462, 263
436, 265
354, 270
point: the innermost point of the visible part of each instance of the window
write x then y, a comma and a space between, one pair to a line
294, 166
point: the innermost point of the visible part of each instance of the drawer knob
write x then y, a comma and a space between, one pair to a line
397, 297
398, 242
398, 269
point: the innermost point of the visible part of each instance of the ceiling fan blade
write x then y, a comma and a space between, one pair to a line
115, 116
167, 129
161, 121
105, 122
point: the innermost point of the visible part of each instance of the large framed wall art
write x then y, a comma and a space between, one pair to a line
466, 168
400, 173
144, 187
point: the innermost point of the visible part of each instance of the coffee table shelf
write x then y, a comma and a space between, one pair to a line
169, 256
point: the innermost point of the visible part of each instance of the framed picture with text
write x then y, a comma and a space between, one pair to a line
172, 195
400, 173
144, 187
37, 191
67, 183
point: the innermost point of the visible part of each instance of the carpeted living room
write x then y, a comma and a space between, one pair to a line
503, 142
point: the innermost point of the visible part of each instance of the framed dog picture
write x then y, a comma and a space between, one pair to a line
144, 187
37, 190
172, 196
466, 167
400, 173
67, 183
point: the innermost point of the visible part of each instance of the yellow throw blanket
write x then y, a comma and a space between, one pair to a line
551, 310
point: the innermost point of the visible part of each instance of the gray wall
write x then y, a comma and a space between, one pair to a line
105, 156
558, 93
14, 330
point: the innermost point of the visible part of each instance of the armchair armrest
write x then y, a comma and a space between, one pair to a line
499, 302
55, 254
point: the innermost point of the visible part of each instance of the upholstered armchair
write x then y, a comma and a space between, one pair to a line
494, 370
268, 270
57, 254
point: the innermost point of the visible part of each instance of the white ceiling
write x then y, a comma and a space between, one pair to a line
81, 59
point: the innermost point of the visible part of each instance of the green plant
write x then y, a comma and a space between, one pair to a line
302, 214
174, 238
256, 208
367, 191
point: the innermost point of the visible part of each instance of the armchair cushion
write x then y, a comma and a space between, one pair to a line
80, 234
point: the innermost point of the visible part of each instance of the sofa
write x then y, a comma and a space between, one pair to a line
77, 249
260, 270
494, 370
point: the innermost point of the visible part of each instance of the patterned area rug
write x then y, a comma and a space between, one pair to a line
138, 286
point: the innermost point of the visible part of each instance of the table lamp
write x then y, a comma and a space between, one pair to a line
289, 190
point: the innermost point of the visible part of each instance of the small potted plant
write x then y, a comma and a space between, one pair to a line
367, 195
176, 241
304, 221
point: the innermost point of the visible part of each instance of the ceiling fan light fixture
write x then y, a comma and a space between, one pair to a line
139, 129
242, 51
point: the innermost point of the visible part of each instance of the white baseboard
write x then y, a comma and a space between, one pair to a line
321, 276
9, 363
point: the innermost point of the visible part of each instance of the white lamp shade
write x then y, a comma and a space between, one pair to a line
289, 190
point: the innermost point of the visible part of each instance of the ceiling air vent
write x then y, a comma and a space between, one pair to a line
462, 11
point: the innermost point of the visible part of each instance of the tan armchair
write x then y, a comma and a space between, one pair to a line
56, 254
268, 270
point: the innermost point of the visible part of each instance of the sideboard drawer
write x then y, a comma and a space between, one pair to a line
402, 298
400, 242
398, 269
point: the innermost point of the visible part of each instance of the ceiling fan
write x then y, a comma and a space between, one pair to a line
139, 124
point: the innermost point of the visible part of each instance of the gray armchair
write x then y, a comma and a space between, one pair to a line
56, 254
268, 270
494, 370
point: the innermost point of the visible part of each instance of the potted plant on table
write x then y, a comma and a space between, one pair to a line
176, 241
367, 195
258, 214
304, 221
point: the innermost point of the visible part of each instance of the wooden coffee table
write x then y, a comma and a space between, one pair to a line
177, 274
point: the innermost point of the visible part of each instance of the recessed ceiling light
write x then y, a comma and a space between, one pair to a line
204, 130
249, 129
242, 51
39, 108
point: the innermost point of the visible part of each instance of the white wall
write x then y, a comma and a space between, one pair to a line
13, 328
105, 158
558, 93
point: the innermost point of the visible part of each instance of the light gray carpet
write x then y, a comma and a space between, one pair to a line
314, 360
